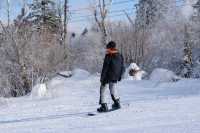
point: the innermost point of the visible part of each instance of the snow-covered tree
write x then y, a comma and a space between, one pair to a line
196, 24
43, 13
150, 16
88, 52
195, 37
101, 10
196, 6
27, 54
149, 12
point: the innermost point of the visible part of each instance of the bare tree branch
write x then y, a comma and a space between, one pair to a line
14, 44
100, 14
129, 18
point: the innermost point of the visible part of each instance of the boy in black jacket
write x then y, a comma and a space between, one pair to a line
113, 68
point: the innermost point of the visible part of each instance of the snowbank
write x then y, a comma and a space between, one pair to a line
80, 74
147, 107
163, 75
50, 88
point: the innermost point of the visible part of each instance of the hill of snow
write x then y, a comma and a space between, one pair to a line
147, 107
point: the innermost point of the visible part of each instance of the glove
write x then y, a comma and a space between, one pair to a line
120, 79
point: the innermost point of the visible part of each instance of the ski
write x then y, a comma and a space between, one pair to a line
94, 113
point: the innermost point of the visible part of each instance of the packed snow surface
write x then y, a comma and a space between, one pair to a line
147, 107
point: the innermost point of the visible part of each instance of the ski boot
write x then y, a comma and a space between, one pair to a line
116, 104
103, 108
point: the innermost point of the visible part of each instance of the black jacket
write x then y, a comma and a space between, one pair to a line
113, 68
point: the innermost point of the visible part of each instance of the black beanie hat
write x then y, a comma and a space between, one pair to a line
111, 44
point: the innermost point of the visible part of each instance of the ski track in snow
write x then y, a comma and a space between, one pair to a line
147, 107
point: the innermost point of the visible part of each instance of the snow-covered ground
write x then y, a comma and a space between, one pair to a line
147, 107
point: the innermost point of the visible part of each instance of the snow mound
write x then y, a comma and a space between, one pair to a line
134, 66
80, 74
163, 75
138, 75
39, 90
53, 83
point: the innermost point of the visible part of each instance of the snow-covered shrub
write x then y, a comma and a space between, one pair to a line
133, 72
26, 55
196, 72
163, 75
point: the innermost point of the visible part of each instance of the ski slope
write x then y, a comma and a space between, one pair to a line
147, 107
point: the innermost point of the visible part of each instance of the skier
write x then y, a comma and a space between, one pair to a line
112, 71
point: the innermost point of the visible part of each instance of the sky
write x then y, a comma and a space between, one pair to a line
80, 16
116, 12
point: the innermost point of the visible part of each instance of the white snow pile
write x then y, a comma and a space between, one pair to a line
138, 75
80, 74
49, 89
163, 75
39, 90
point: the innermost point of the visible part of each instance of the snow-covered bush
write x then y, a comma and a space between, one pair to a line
196, 72
163, 75
133, 72
27, 55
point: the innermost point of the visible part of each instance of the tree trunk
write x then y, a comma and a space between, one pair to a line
65, 24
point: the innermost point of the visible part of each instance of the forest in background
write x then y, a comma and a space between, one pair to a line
38, 43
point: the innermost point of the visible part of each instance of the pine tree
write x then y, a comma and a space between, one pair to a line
43, 14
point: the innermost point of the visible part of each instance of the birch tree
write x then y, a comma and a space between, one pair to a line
8, 12
100, 12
